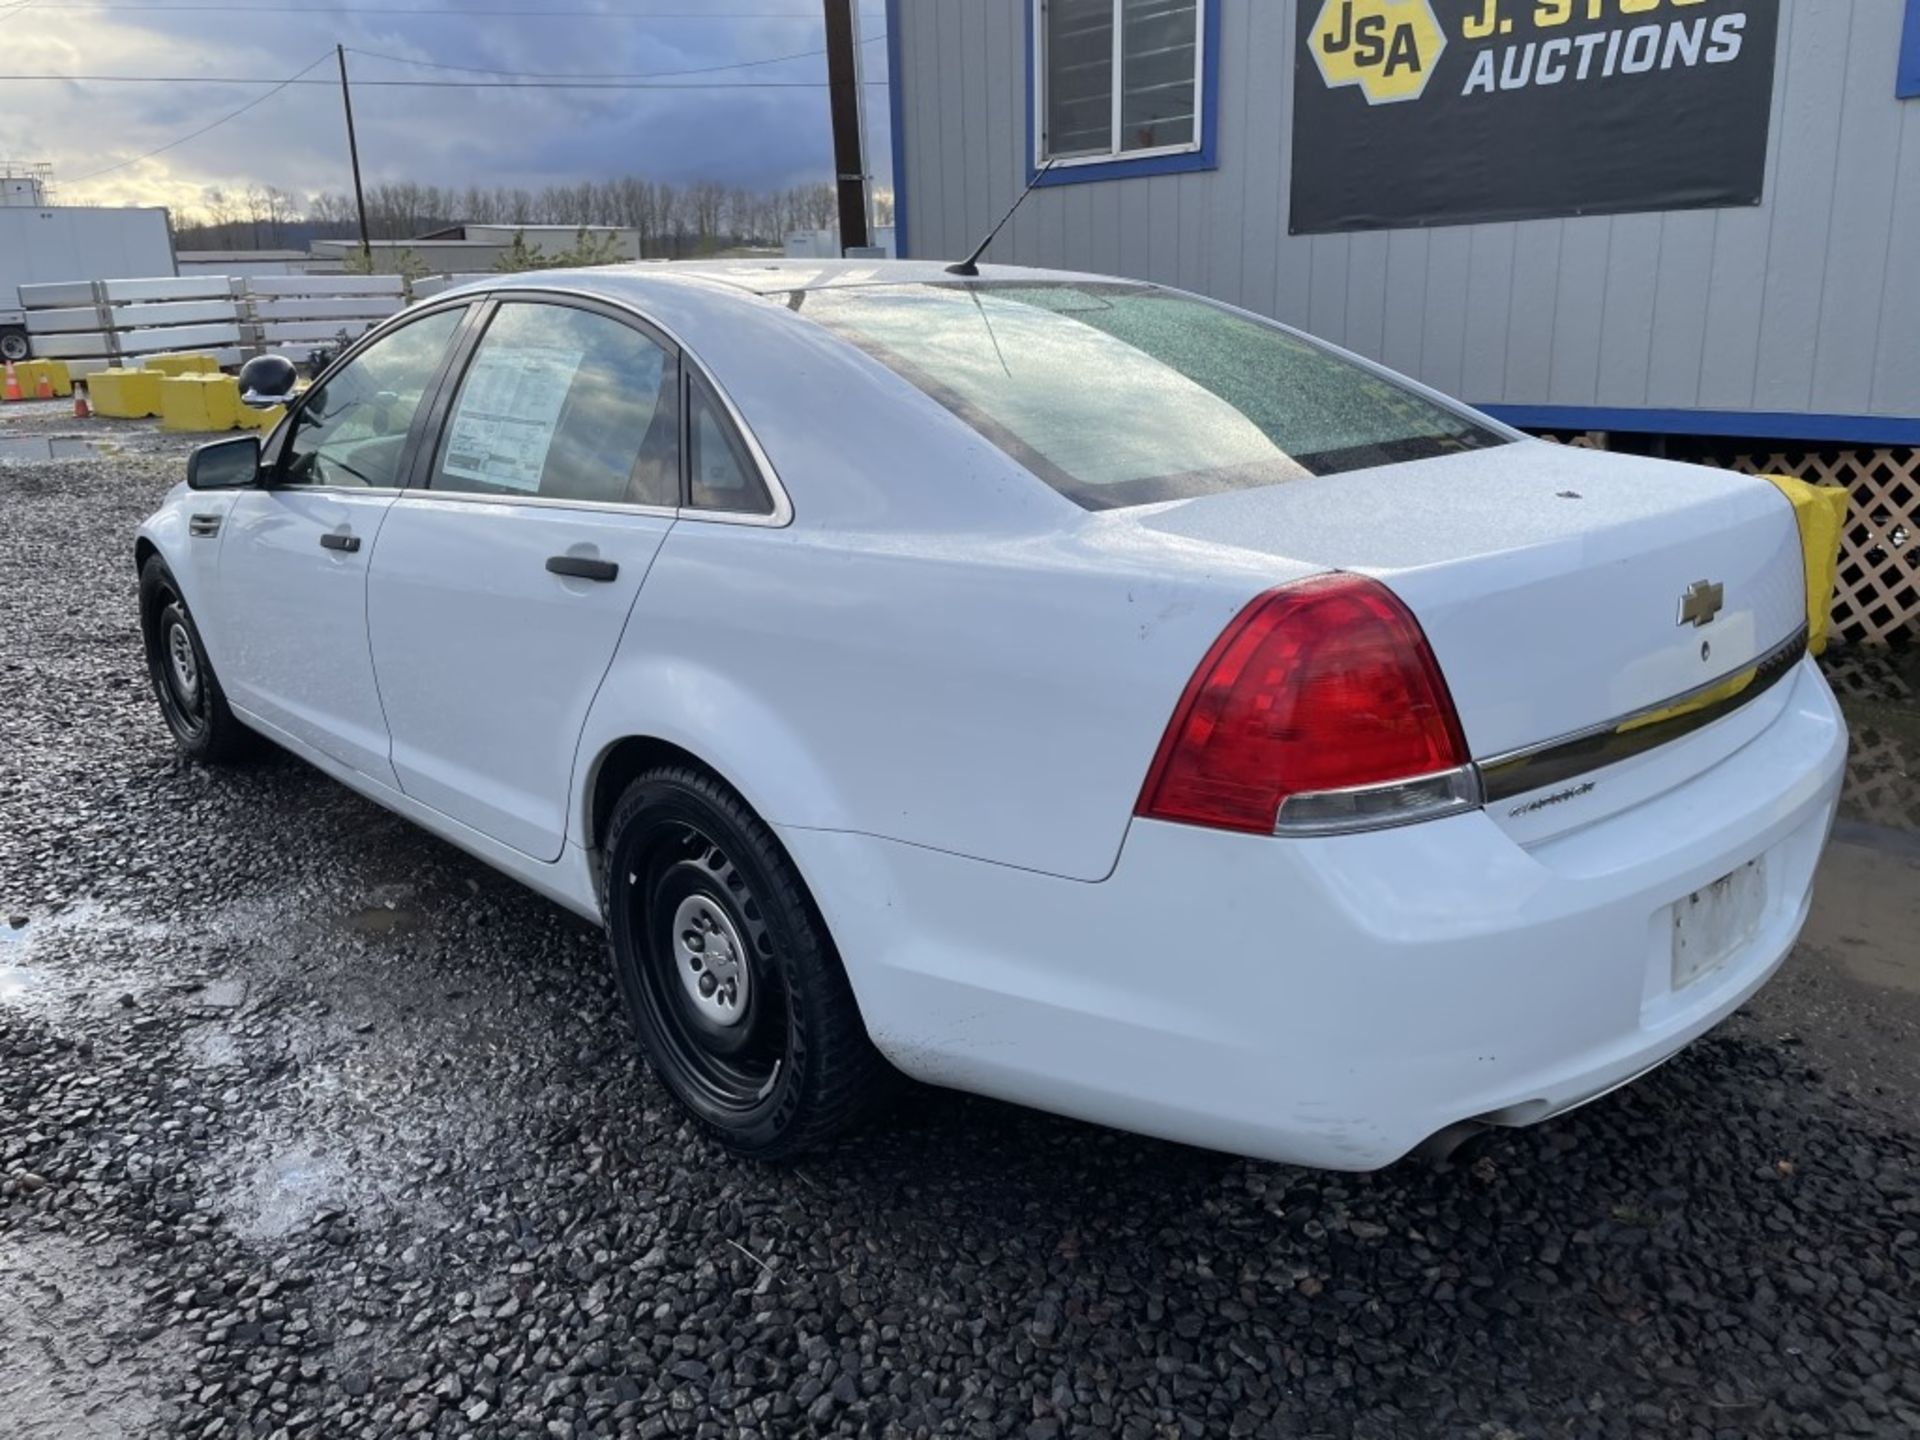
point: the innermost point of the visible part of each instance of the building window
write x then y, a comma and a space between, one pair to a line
1906, 83
1122, 82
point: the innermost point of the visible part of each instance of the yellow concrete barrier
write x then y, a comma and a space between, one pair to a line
125, 394
1821, 513
55, 371
261, 420
182, 364
199, 402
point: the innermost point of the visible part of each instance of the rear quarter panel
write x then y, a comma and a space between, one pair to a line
994, 695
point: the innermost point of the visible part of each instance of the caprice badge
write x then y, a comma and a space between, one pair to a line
1701, 602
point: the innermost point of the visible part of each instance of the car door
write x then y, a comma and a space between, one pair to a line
293, 560
501, 585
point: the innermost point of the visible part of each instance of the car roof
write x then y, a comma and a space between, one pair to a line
737, 279
781, 373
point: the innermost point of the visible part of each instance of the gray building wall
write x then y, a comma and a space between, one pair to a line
1808, 303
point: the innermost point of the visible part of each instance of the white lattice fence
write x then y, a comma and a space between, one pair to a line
1877, 595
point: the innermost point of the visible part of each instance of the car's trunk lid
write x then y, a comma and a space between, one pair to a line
1550, 580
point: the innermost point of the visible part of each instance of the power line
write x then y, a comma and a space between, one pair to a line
266, 95
438, 84
567, 75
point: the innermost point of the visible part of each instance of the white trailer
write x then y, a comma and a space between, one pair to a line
47, 244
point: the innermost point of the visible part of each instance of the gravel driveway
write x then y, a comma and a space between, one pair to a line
311, 1126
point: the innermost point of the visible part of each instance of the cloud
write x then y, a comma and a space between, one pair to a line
758, 138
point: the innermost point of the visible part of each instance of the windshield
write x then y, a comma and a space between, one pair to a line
1118, 394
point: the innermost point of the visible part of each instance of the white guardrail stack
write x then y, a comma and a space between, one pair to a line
94, 324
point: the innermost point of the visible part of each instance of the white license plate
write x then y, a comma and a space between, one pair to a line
1712, 923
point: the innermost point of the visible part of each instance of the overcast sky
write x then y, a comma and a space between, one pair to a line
760, 137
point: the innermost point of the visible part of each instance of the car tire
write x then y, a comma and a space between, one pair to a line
191, 700
14, 344
728, 972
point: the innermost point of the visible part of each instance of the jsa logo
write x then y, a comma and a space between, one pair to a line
1386, 47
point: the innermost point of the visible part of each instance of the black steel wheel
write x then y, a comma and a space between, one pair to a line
728, 971
191, 700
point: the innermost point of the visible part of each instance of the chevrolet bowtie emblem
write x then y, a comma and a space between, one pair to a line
1701, 603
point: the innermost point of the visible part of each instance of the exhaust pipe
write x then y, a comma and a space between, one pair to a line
1442, 1147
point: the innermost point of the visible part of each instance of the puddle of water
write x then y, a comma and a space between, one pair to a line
17, 983
383, 920
212, 1048
285, 1191
25, 449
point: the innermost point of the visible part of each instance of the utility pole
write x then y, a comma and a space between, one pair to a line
843, 95
353, 153
860, 100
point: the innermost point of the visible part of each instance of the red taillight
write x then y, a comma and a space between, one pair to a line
1322, 685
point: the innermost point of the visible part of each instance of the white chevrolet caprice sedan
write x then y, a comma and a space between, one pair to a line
1060, 688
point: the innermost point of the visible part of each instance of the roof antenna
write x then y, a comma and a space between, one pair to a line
971, 265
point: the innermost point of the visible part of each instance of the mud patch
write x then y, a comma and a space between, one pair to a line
74, 1367
27, 449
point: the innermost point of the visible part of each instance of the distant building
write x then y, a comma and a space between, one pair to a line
825, 244
460, 249
253, 262
26, 182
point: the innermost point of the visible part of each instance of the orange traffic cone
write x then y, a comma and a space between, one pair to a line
43, 387
13, 384
81, 410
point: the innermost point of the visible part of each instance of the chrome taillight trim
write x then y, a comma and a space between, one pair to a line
1359, 808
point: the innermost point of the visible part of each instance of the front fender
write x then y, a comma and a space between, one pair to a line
193, 559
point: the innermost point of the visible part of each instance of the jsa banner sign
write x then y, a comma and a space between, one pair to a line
1444, 112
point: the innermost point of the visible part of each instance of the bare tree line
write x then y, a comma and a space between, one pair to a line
672, 220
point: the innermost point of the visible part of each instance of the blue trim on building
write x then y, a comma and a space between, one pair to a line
896, 135
1755, 424
1205, 158
1907, 84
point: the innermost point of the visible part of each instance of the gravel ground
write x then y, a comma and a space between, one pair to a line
311, 1126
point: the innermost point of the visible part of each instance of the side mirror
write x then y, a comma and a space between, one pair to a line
267, 381
224, 464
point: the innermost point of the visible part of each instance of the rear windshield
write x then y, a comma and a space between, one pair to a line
1119, 394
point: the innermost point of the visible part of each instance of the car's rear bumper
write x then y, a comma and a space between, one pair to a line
1333, 1001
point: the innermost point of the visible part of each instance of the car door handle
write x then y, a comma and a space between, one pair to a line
582, 568
335, 541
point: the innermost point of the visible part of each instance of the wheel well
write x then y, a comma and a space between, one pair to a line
625, 762
142, 548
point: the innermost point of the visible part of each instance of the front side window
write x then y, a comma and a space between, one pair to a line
1118, 394
565, 404
1118, 78
352, 428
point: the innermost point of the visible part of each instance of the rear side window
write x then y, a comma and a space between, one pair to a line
564, 404
721, 475
1121, 394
